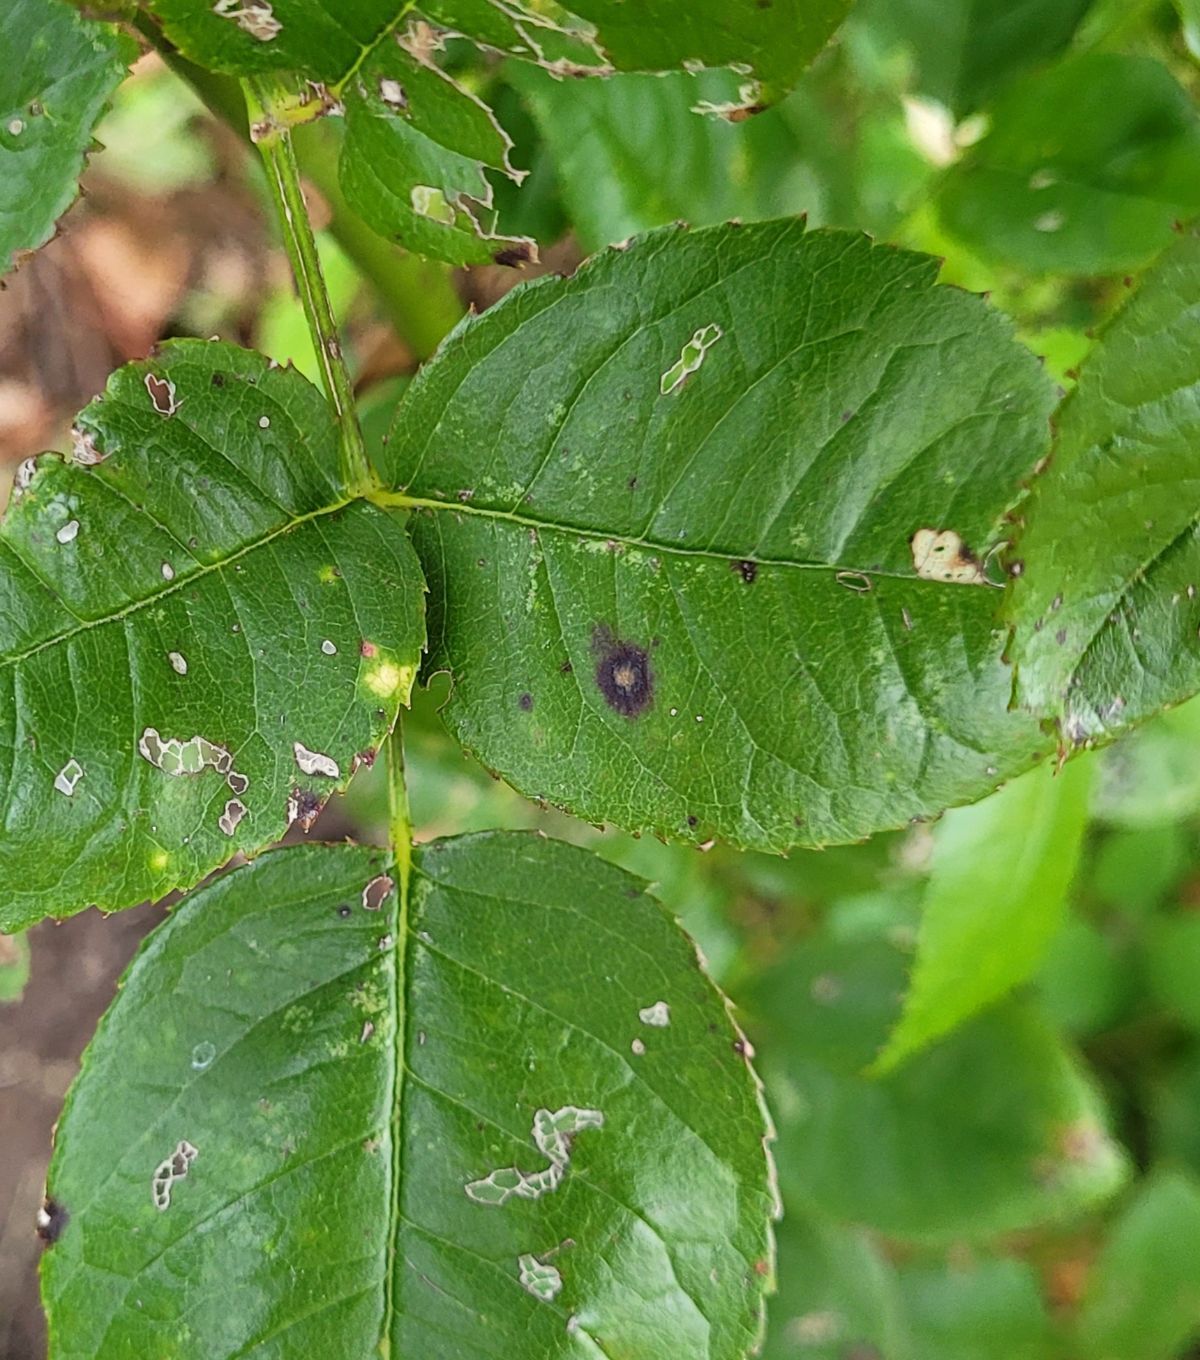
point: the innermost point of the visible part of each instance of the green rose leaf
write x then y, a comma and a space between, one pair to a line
961, 51
417, 143
1143, 1294
1105, 608
200, 637
838, 1295
698, 525
51, 98
502, 1114
608, 137
995, 1129
997, 894
1084, 170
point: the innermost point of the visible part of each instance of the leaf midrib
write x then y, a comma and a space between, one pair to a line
398, 500
169, 588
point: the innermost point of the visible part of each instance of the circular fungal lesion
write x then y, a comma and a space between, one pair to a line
623, 675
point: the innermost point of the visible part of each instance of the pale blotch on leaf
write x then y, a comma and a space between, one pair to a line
173, 1169
328, 648
553, 1132
175, 757
638, 1049
256, 18
542, 1281
386, 679
168, 571
392, 94
203, 1054
67, 778
658, 1015
941, 555
1049, 221
84, 450
315, 762
178, 662
691, 358
69, 532
430, 202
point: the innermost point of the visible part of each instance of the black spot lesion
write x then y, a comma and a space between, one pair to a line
525, 703
746, 569
623, 674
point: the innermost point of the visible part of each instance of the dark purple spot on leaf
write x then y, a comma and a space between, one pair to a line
623, 674
747, 570
525, 703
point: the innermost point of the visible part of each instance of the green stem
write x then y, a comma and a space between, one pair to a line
417, 295
399, 816
274, 143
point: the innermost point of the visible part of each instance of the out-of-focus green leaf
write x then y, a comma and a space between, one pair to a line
837, 1296
986, 1309
961, 51
201, 637
997, 894
1153, 774
1085, 168
152, 138
1173, 965
635, 152
1083, 982
504, 1114
1173, 1099
1134, 871
1106, 605
14, 966
994, 1129
1143, 1295
59, 72
783, 662
1189, 15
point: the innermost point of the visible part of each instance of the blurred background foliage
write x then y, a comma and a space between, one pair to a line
980, 1039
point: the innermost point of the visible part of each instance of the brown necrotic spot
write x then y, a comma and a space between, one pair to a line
51, 1220
623, 674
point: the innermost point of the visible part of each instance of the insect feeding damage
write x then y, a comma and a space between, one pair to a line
658, 1015
542, 1281
162, 394
172, 1169
941, 555
554, 1132
67, 778
623, 674
691, 358
255, 18
314, 762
